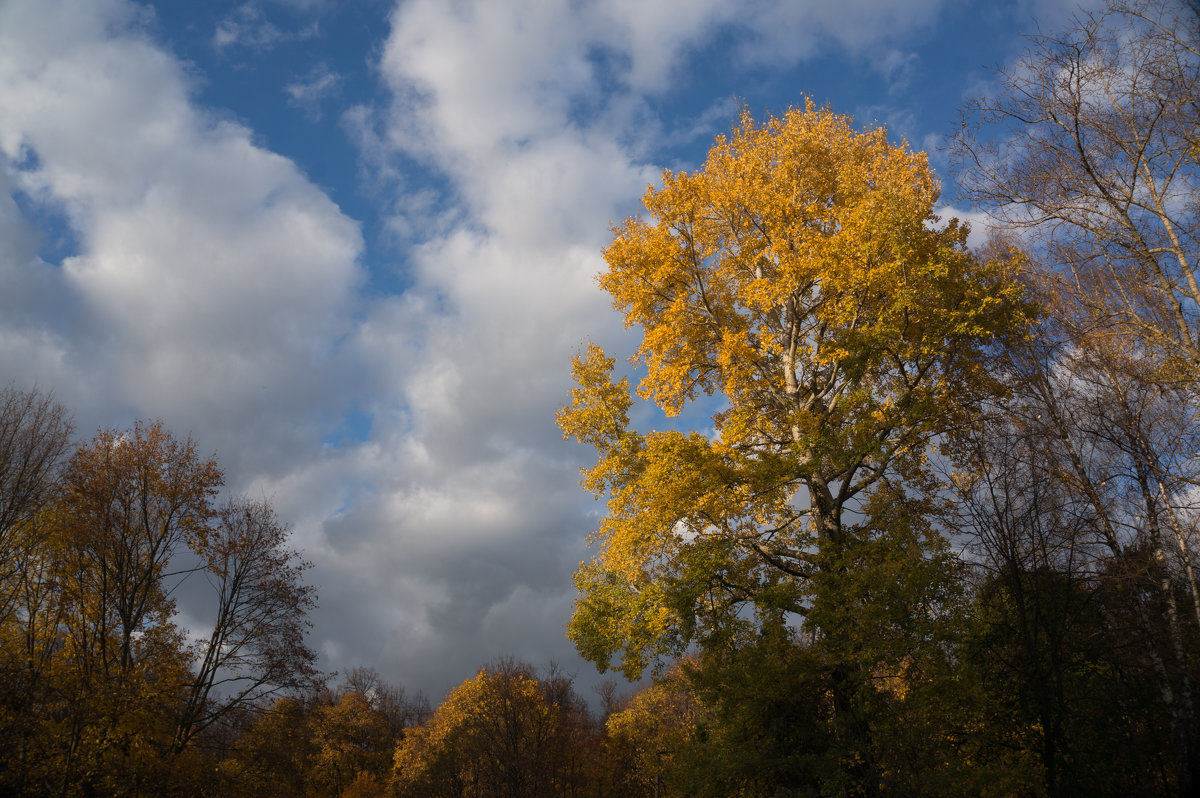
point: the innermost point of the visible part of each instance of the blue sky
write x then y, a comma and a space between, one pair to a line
350, 247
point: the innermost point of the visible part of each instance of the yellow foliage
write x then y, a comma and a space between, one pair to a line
656, 727
497, 733
801, 276
352, 743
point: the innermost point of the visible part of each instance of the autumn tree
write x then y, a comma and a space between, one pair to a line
35, 434
256, 648
802, 278
1075, 495
124, 505
351, 741
504, 732
354, 731
130, 502
119, 693
652, 738
399, 709
274, 752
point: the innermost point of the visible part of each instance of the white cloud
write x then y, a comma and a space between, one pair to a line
654, 35
786, 32
309, 92
481, 74
211, 276
897, 68
247, 26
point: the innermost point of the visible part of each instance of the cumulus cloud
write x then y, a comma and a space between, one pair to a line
211, 278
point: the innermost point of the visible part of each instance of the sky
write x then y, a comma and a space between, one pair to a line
350, 248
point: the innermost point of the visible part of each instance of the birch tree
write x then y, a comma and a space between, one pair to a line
1088, 152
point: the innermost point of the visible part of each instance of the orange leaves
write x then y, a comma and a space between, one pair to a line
350, 737
803, 261
127, 502
141, 485
802, 277
791, 239
599, 409
504, 732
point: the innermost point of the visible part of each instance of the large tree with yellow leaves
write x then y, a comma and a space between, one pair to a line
801, 281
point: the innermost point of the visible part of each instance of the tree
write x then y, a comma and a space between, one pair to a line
1088, 151
130, 502
1090, 146
35, 432
802, 277
354, 731
1075, 493
113, 695
1045, 644
652, 738
351, 738
126, 504
504, 732
391, 701
275, 751
256, 649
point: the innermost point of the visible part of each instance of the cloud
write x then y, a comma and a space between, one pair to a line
35, 306
247, 26
719, 116
897, 69
212, 279
309, 92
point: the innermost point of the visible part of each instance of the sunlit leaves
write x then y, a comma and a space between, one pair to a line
503, 732
802, 277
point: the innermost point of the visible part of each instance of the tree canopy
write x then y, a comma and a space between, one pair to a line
803, 278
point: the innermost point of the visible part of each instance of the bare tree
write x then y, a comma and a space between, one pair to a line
1090, 152
1063, 497
256, 649
1092, 144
